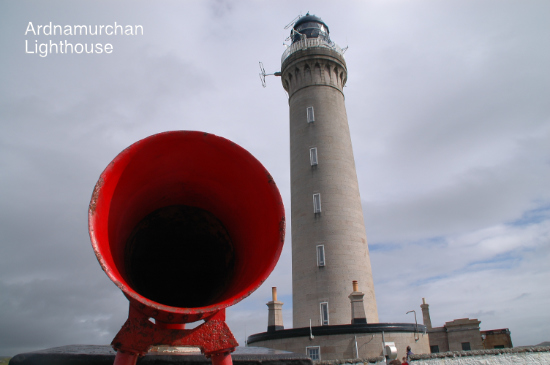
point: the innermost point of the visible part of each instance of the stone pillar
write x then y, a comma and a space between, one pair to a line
426, 314
357, 305
275, 316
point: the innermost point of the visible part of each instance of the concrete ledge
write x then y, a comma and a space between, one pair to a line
105, 355
371, 360
514, 350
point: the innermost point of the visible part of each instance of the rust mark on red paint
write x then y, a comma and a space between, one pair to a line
95, 195
269, 178
282, 229
101, 262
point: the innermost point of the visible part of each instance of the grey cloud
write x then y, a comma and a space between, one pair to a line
448, 113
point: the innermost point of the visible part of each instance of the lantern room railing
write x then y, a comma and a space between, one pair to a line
309, 43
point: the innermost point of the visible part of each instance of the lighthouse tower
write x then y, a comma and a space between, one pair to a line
329, 243
334, 306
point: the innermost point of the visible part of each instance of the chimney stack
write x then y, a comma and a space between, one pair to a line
275, 316
357, 305
426, 314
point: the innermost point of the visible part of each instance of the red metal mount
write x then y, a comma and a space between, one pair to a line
139, 334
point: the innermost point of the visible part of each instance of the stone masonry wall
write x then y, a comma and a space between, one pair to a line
516, 356
315, 78
334, 347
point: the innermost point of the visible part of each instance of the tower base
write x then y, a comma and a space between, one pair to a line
350, 341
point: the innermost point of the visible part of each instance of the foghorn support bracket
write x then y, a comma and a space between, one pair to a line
139, 334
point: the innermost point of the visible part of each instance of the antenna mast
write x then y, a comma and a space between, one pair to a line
263, 74
293, 21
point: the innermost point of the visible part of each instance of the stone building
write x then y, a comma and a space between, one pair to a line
496, 339
462, 334
356, 339
332, 318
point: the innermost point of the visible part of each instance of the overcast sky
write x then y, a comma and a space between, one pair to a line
449, 112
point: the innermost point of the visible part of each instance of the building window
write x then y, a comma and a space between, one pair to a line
324, 314
434, 349
320, 255
313, 156
317, 203
310, 117
499, 346
314, 353
466, 346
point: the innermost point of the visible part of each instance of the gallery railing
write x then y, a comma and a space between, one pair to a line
309, 43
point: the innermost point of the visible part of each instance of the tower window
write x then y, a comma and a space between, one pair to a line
324, 313
317, 203
313, 156
310, 116
434, 349
466, 346
320, 255
314, 353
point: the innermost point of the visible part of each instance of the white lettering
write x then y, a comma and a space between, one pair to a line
31, 29
43, 48
49, 29
116, 28
53, 46
27, 47
67, 47
80, 27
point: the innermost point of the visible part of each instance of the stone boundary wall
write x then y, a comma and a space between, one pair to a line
379, 360
532, 355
